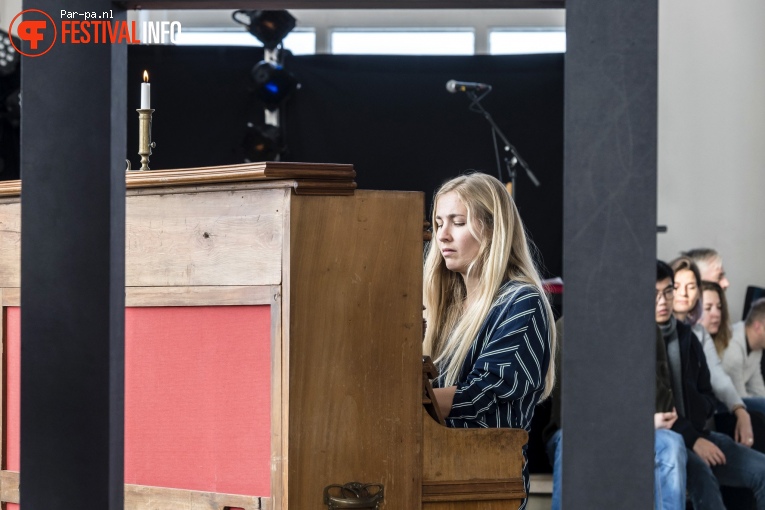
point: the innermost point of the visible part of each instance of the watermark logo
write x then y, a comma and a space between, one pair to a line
40, 32
38, 29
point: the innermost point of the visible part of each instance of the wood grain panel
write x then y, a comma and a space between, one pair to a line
2, 385
142, 497
198, 296
10, 244
9, 486
282, 501
355, 354
221, 238
473, 490
450, 466
278, 460
10, 296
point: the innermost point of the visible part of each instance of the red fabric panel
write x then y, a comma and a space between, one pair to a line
12, 395
197, 398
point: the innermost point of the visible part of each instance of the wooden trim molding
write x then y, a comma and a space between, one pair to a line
278, 407
142, 497
10, 188
199, 296
305, 178
10, 296
177, 296
472, 490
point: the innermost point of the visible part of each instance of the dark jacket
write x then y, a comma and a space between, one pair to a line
698, 399
665, 400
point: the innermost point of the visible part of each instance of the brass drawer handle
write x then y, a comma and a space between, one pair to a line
354, 495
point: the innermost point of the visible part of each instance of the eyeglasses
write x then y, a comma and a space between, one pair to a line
668, 293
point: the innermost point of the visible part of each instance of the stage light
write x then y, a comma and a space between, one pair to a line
261, 143
272, 84
268, 27
9, 58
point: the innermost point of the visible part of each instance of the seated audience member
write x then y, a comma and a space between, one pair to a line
713, 459
742, 356
669, 448
688, 308
710, 265
715, 317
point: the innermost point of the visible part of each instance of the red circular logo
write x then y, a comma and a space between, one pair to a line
34, 29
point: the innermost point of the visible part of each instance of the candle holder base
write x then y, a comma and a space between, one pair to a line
145, 145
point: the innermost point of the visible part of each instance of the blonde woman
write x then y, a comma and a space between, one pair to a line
489, 322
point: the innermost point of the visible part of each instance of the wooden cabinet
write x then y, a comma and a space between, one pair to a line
273, 341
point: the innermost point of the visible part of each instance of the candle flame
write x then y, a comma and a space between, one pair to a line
146, 76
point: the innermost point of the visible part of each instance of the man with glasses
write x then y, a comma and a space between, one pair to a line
713, 459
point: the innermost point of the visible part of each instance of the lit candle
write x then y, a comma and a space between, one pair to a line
145, 92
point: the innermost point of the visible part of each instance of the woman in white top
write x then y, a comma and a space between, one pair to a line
688, 307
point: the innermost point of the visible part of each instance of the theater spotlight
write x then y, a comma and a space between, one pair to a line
272, 84
261, 143
268, 27
9, 58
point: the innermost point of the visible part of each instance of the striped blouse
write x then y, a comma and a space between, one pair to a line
503, 375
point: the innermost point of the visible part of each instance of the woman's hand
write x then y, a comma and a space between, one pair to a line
444, 399
743, 434
664, 420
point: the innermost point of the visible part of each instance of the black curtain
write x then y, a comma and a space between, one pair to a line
390, 116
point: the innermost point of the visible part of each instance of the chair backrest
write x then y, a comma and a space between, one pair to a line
752, 294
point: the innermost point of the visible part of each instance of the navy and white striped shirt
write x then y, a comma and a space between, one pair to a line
503, 375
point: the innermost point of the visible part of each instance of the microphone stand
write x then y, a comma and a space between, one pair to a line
512, 158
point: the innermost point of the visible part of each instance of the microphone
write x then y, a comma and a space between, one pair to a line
465, 86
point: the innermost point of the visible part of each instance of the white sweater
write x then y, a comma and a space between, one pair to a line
722, 386
743, 368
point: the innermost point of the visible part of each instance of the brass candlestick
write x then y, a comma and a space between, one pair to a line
145, 145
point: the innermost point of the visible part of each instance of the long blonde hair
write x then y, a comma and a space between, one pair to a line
503, 254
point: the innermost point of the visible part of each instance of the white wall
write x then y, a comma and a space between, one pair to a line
8, 9
712, 135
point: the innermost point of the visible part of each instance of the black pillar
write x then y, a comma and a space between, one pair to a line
73, 140
609, 246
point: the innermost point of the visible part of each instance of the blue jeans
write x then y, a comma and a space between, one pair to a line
669, 470
743, 467
669, 473
554, 454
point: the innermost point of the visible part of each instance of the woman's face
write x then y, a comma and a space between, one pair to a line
457, 245
686, 291
712, 312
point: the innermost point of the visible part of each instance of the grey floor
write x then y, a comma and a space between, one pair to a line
539, 503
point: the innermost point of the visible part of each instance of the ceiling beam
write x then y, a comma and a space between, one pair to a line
341, 4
